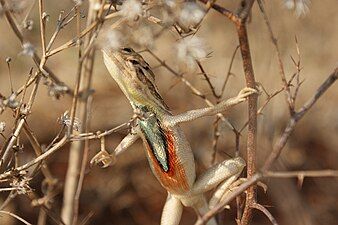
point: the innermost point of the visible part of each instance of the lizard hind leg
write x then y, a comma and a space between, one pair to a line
220, 176
172, 211
225, 172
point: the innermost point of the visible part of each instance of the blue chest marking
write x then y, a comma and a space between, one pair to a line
156, 139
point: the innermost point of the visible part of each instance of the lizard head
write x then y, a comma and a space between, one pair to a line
134, 77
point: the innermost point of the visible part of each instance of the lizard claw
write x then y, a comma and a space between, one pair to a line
230, 189
246, 92
103, 159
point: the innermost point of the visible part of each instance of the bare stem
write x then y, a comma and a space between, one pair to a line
252, 125
75, 173
240, 21
42, 27
75, 152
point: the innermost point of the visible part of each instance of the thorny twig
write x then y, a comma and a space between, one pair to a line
252, 126
296, 117
96, 135
5, 151
274, 41
20, 36
15, 216
302, 174
88, 29
206, 77
38, 159
229, 73
266, 212
61, 23
277, 148
261, 109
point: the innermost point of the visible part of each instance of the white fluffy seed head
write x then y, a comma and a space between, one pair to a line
289, 4
191, 49
111, 39
131, 9
28, 49
301, 7
143, 36
114, 39
191, 14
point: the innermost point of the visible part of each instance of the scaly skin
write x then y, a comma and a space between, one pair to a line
168, 151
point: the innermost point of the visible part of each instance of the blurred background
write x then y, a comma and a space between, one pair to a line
128, 193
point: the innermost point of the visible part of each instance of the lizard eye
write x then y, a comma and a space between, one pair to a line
134, 62
129, 50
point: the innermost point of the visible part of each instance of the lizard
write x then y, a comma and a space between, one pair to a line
168, 152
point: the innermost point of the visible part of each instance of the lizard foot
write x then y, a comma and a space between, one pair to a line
246, 92
230, 189
103, 159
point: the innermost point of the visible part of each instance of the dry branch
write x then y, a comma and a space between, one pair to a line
35, 57
266, 212
81, 106
15, 216
277, 148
